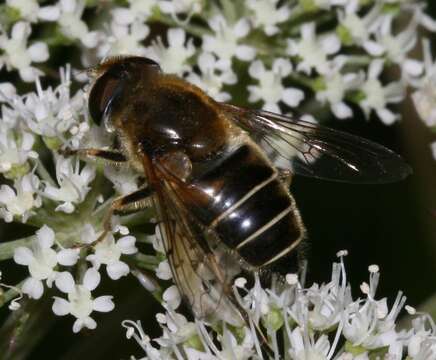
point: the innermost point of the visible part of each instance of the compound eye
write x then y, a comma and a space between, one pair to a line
105, 90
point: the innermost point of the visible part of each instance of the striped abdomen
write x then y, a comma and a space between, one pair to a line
248, 207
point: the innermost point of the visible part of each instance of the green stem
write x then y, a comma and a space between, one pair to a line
148, 262
157, 293
139, 218
10, 294
42, 172
359, 60
7, 249
302, 80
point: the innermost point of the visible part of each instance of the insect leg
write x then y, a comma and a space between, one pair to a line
114, 157
133, 202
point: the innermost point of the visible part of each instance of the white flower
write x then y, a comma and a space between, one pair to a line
335, 85
87, 234
15, 149
313, 51
302, 324
424, 97
305, 346
172, 59
323, 4
171, 297
213, 77
226, 42
134, 329
369, 323
80, 302
73, 184
175, 7
7, 91
398, 46
234, 349
41, 260
378, 96
28, 9
163, 270
177, 328
108, 252
124, 180
52, 112
142, 8
31, 11
16, 54
138, 10
266, 15
71, 25
421, 343
358, 30
327, 301
423, 19
256, 300
124, 39
20, 201
158, 241
270, 89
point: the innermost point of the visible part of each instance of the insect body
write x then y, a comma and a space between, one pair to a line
212, 175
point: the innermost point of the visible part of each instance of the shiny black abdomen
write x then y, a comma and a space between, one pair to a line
248, 207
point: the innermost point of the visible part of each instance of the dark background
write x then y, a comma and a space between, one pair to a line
390, 225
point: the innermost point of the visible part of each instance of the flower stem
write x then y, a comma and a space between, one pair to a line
7, 249
10, 294
42, 171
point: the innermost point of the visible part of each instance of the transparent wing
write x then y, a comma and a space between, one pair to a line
311, 150
196, 269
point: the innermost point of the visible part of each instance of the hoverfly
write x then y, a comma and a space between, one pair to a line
210, 174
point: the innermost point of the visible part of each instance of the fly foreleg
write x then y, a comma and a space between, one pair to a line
133, 202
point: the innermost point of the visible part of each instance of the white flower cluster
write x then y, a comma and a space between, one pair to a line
318, 322
259, 53
46, 255
46, 120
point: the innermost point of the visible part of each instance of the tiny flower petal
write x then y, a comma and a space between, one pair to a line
117, 269
103, 304
38, 52
45, 237
61, 306
68, 257
64, 282
23, 255
91, 279
163, 270
90, 323
33, 287
127, 245
77, 326
172, 297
